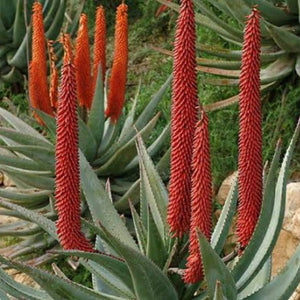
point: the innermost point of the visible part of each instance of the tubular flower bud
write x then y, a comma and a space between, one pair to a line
117, 83
184, 117
82, 64
99, 44
201, 214
53, 77
250, 166
67, 192
38, 86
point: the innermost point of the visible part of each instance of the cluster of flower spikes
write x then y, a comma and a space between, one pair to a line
43, 99
190, 200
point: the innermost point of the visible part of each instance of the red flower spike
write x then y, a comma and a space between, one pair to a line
67, 181
99, 44
38, 86
201, 214
117, 83
184, 118
250, 165
82, 64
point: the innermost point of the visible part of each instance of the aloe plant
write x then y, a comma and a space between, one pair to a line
15, 32
149, 266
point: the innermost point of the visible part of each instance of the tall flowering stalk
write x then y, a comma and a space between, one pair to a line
250, 164
67, 191
99, 44
201, 206
82, 64
53, 94
38, 86
184, 119
117, 83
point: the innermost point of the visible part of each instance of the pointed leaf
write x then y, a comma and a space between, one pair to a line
215, 270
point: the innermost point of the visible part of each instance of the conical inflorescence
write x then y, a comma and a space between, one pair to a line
99, 45
201, 197
250, 166
117, 82
67, 181
82, 64
183, 120
38, 85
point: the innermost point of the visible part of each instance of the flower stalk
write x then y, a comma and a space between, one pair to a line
82, 64
117, 83
201, 206
99, 44
38, 85
250, 165
184, 117
67, 192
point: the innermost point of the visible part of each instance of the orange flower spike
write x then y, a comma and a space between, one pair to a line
82, 64
117, 83
184, 117
53, 76
250, 165
38, 86
67, 181
201, 206
99, 44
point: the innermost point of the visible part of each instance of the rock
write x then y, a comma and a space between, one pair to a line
289, 237
22, 278
1, 178
7, 181
225, 188
284, 249
292, 209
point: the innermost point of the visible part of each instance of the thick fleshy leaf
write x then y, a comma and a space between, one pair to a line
259, 281
33, 179
284, 284
114, 265
228, 211
57, 287
43, 222
126, 153
18, 290
148, 280
96, 116
155, 191
100, 206
20, 125
215, 270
